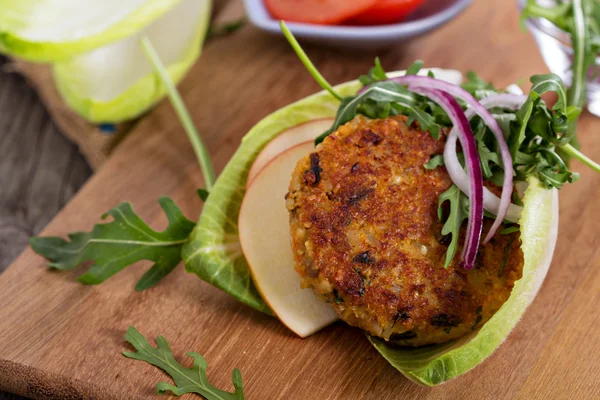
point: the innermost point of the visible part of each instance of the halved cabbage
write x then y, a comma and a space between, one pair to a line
214, 251
51, 30
117, 82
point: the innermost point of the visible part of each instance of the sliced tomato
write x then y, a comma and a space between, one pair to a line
387, 12
322, 12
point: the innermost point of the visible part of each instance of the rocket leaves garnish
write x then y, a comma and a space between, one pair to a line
381, 100
476, 85
187, 380
120, 243
434, 162
459, 212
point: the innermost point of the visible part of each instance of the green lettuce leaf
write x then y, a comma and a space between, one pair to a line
52, 30
214, 252
433, 365
117, 82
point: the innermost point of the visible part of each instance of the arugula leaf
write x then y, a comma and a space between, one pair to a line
477, 86
187, 380
120, 243
203, 194
434, 162
225, 28
539, 132
202, 153
510, 229
490, 161
380, 100
375, 74
459, 212
415, 67
505, 257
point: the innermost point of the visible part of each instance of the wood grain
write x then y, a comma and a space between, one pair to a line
64, 339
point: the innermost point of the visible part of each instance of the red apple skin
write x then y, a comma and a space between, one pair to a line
290, 137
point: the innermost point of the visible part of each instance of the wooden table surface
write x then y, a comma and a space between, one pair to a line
65, 338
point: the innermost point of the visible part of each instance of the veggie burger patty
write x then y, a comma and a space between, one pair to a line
366, 237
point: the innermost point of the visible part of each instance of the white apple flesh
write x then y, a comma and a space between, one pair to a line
265, 237
289, 138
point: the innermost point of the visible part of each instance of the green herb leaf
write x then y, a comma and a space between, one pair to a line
415, 67
375, 74
505, 257
459, 212
510, 229
203, 194
187, 380
119, 244
477, 86
225, 28
478, 310
550, 83
202, 153
434, 162
314, 72
381, 100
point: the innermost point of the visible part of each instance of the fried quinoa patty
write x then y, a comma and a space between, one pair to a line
366, 237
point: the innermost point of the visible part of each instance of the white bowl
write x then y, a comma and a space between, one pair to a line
433, 14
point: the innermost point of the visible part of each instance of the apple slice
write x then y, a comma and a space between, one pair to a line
288, 138
264, 232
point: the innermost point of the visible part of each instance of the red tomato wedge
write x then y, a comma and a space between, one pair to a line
322, 12
387, 12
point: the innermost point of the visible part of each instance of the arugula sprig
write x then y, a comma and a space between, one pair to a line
384, 99
459, 212
202, 153
187, 380
124, 241
539, 132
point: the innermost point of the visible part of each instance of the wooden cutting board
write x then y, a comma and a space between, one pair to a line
60, 339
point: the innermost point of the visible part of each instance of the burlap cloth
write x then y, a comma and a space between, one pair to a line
94, 142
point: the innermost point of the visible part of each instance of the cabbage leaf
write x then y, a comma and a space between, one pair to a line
117, 82
52, 30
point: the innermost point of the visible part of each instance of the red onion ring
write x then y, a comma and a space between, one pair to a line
491, 202
467, 140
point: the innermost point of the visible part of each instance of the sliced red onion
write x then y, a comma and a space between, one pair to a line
415, 82
491, 202
467, 141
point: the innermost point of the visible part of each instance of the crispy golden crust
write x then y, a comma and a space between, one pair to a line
366, 237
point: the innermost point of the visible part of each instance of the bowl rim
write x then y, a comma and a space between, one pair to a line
260, 17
